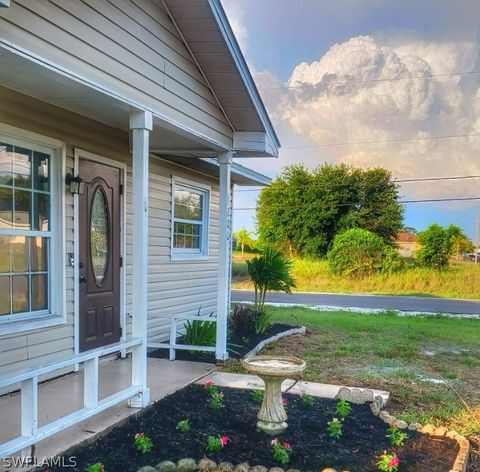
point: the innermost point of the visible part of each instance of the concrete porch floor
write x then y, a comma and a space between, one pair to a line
61, 396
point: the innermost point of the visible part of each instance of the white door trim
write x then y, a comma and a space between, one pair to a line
81, 154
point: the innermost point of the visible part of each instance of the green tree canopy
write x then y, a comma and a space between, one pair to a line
302, 211
243, 239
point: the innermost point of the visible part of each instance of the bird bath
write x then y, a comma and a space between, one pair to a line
272, 418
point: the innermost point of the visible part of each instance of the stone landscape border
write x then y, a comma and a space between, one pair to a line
289, 332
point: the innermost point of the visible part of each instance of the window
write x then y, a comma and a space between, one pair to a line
25, 230
190, 221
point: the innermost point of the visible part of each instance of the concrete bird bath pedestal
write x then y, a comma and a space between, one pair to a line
272, 418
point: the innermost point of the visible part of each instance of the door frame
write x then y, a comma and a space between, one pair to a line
81, 154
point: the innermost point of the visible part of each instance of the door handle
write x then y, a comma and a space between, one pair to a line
83, 279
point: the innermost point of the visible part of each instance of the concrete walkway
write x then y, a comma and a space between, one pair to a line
252, 382
63, 395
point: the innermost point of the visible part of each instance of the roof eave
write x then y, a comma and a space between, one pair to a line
237, 55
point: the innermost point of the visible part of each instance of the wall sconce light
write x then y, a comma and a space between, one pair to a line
76, 184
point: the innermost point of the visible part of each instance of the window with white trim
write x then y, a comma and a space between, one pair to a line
25, 230
190, 221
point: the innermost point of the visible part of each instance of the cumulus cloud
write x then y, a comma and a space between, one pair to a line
379, 88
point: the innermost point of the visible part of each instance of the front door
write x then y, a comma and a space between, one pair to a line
99, 255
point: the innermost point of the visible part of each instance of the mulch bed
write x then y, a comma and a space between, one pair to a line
238, 344
358, 449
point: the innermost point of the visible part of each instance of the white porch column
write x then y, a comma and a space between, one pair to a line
223, 295
141, 124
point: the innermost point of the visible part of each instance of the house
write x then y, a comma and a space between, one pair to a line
118, 125
406, 242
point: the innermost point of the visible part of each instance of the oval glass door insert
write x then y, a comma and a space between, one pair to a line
99, 236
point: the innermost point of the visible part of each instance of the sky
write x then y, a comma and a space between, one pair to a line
338, 76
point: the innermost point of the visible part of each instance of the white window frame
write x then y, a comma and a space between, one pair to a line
56, 314
182, 254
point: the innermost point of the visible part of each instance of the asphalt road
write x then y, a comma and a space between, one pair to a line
384, 302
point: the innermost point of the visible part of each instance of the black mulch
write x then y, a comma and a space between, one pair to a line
358, 449
238, 345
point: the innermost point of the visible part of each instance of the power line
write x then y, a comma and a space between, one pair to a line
422, 179
383, 141
403, 202
355, 82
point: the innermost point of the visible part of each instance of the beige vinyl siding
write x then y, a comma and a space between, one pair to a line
175, 288
33, 348
127, 46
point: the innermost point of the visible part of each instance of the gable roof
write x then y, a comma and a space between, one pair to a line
204, 26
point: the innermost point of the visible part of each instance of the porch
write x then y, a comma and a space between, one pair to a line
64, 395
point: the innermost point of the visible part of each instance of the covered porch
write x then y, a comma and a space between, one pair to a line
146, 133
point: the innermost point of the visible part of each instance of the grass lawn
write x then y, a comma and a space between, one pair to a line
461, 280
393, 353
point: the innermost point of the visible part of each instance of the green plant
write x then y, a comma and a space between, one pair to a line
388, 462
396, 437
343, 409
143, 443
257, 395
334, 428
215, 402
270, 272
262, 322
307, 400
183, 426
215, 396
216, 443
281, 451
97, 467
437, 245
200, 332
359, 253
242, 319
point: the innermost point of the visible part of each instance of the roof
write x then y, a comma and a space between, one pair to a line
207, 33
242, 176
406, 237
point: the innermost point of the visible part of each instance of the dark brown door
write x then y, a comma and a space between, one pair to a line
99, 251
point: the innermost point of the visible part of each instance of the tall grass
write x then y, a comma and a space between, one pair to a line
460, 280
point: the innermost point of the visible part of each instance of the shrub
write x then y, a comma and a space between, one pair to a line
437, 246
97, 467
143, 443
334, 428
270, 272
242, 320
183, 426
343, 409
200, 333
358, 253
239, 270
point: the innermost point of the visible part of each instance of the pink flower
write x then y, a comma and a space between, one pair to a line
394, 462
286, 445
208, 384
224, 440
274, 441
284, 401
139, 435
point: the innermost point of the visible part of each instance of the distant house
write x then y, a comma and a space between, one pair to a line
407, 243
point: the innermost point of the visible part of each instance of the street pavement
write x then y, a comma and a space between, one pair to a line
376, 302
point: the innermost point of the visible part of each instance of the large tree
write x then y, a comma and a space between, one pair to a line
302, 210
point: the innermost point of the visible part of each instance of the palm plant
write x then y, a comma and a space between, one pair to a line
270, 272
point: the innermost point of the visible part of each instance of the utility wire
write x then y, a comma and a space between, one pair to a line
352, 82
403, 202
383, 141
422, 179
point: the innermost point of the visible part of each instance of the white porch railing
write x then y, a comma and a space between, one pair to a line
172, 345
31, 433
